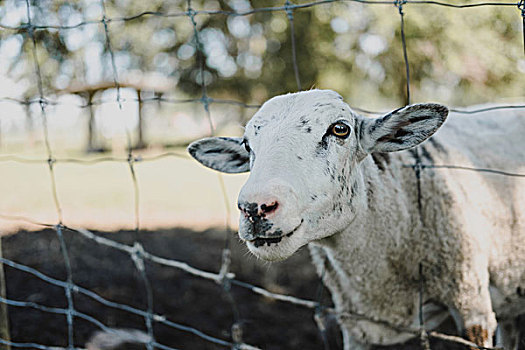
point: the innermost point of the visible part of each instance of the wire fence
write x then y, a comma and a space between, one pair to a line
136, 252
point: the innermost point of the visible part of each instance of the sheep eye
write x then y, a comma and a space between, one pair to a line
340, 130
246, 146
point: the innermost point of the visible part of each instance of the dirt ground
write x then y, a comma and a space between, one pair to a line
180, 297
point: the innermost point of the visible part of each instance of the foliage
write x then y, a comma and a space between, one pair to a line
457, 56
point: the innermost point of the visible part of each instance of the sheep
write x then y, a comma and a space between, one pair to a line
324, 176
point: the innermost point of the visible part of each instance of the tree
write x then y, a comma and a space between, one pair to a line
456, 56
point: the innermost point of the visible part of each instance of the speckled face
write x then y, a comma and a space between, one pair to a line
303, 152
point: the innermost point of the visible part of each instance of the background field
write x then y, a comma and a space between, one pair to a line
173, 192
87, 83
192, 301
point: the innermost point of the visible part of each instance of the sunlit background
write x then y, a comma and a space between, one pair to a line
458, 57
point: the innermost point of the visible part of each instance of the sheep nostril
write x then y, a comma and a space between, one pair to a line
267, 209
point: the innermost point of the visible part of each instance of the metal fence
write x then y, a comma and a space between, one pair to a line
137, 254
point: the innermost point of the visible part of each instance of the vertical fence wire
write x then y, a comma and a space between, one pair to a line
68, 288
224, 277
201, 56
319, 313
43, 112
236, 328
319, 317
109, 48
521, 7
138, 259
136, 255
131, 158
399, 4
289, 13
50, 161
425, 345
424, 341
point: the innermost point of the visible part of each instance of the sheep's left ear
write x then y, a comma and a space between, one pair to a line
401, 129
225, 154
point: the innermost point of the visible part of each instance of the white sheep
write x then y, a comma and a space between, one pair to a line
322, 175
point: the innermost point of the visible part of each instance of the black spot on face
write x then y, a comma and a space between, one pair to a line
322, 146
304, 123
304, 120
354, 188
275, 237
299, 157
257, 129
259, 225
250, 209
258, 242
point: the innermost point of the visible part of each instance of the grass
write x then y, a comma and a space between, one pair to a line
172, 192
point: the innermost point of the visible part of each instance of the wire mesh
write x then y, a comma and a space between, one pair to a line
136, 252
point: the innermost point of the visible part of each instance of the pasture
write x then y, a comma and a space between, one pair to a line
109, 228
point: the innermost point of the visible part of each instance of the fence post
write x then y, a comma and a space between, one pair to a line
4, 319
91, 139
140, 128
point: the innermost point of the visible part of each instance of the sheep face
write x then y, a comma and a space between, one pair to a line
303, 152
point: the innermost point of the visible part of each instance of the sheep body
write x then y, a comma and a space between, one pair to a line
370, 232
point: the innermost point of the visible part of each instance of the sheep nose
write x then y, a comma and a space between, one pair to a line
269, 208
252, 210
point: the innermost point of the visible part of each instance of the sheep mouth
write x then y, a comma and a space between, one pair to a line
261, 241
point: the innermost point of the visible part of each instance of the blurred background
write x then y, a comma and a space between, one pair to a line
145, 78
458, 57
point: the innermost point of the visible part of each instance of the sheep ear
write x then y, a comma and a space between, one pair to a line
401, 129
225, 154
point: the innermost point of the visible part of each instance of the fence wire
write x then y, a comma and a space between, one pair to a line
136, 252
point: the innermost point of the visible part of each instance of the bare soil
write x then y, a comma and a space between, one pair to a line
177, 295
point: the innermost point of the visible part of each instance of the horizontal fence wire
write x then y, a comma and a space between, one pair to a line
32, 345
183, 266
211, 101
94, 296
284, 8
137, 253
139, 159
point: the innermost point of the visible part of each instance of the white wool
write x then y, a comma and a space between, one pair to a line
358, 211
